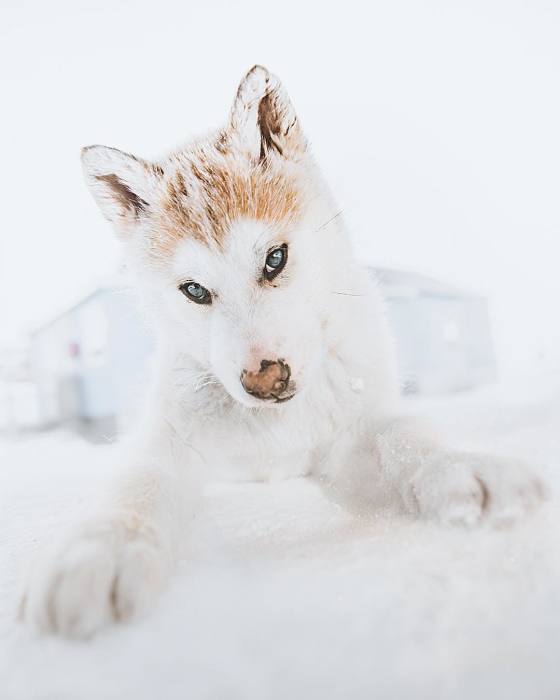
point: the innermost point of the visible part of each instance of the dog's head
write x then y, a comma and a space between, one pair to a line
231, 239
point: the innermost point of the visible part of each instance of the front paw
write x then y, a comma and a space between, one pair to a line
109, 572
465, 489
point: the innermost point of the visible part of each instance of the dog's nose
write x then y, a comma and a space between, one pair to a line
271, 381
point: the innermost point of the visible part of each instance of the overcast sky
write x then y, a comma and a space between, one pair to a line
438, 124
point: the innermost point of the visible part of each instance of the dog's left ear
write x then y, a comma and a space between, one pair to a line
263, 119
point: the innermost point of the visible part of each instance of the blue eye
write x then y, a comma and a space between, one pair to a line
275, 262
196, 292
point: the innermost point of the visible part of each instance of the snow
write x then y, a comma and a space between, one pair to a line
285, 595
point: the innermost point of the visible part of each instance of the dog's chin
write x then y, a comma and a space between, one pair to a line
252, 402
242, 398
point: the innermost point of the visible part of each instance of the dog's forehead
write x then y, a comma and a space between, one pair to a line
207, 190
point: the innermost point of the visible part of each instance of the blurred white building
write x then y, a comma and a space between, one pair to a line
19, 401
444, 340
89, 364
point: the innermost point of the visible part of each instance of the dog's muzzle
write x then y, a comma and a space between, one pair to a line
271, 382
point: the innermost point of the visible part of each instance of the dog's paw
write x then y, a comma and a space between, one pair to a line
108, 572
465, 489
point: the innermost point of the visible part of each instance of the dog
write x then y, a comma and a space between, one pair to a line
274, 358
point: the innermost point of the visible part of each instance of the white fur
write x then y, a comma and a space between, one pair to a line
342, 427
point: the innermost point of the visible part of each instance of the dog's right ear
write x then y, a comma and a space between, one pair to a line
122, 185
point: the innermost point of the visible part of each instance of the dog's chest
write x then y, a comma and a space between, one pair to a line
264, 467
247, 452
269, 446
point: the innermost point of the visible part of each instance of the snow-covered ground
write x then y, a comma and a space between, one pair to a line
285, 595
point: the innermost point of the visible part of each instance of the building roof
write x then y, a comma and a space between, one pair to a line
406, 284
111, 284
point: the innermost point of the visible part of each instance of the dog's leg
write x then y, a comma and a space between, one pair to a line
451, 486
112, 567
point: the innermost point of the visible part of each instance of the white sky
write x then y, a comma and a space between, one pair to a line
438, 124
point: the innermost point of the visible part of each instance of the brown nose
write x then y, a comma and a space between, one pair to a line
272, 381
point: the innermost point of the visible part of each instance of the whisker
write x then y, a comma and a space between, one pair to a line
208, 382
202, 382
322, 226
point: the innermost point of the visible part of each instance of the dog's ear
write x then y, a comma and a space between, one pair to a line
122, 185
263, 119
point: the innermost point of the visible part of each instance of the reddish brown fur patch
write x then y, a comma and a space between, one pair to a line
204, 202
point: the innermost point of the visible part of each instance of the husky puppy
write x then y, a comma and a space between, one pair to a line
274, 360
